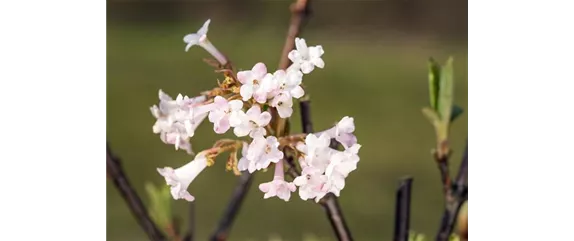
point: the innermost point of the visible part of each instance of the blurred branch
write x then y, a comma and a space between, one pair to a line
455, 196
222, 231
190, 223
403, 210
116, 173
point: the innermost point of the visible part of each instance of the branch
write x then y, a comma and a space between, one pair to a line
190, 223
116, 172
222, 231
454, 198
403, 210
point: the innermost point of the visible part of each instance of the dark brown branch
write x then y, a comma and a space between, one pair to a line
456, 195
403, 210
305, 106
222, 231
116, 173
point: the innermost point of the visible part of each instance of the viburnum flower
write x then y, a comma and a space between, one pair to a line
252, 85
316, 150
278, 187
283, 103
260, 153
177, 119
310, 183
343, 132
180, 178
252, 122
344, 162
287, 82
306, 58
200, 38
225, 114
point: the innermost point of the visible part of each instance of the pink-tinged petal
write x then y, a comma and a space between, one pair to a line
235, 119
284, 111
264, 118
244, 76
260, 97
215, 116
297, 92
243, 164
187, 196
260, 131
246, 92
264, 187
254, 112
236, 105
300, 180
259, 71
241, 130
163, 96
219, 101
221, 126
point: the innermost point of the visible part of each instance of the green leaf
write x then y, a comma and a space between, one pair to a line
160, 204
456, 112
445, 100
434, 78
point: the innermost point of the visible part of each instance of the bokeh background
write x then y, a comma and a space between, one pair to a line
376, 56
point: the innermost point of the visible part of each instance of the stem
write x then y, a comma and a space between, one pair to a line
226, 221
116, 172
454, 198
403, 210
190, 223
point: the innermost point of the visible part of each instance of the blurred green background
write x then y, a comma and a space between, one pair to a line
375, 53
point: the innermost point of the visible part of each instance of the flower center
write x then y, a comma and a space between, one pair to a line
267, 149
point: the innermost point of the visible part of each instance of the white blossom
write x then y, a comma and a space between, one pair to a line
200, 38
180, 178
260, 153
252, 83
177, 119
278, 187
225, 114
252, 122
343, 132
306, 58
310, 182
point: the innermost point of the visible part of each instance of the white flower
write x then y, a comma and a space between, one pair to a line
306, 58
310, 182
316, 150
252, 123
225, 114
177, 119
252, 85
200, 38
343, 132
288, 82
344, 162
284, 104
278, 187
260, 153
179, 179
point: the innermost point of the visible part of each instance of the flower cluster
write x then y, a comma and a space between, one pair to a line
247, 102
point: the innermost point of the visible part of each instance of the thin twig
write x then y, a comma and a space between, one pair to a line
456, 195
403, 210
222, 231
190, 223
116, 172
